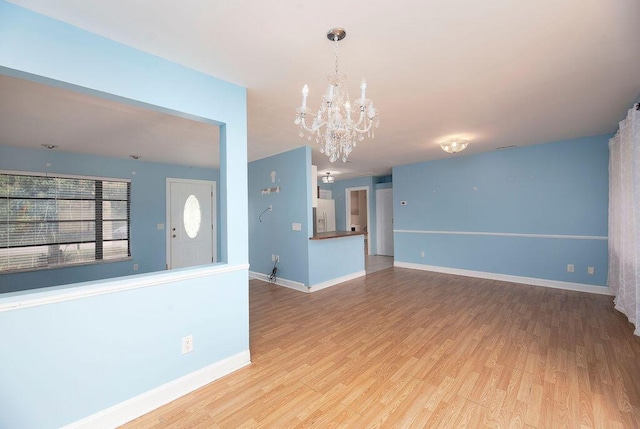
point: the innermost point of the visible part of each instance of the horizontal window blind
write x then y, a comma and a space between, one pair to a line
50, 221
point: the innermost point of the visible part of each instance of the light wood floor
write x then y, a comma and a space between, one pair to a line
403, 348
373, 263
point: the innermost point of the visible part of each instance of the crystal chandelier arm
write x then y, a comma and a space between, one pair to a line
366, 123
301, 120
303, 124
366, 129
355, 125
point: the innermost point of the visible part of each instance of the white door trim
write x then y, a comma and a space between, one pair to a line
167, 222
380, 228
347, 201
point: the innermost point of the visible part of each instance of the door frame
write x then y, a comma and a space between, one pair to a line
379, 231
347, 219
214, 219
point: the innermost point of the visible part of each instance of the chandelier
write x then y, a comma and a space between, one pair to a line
454, 145
338, 125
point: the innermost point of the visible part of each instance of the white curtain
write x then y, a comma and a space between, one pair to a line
624, 217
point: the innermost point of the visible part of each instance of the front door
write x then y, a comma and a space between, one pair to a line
191, 223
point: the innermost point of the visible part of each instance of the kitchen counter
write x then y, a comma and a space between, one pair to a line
335, 234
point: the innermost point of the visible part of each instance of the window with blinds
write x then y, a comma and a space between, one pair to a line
58, 221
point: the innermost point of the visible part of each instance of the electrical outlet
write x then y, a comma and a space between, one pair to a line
135, 267
591, 271
187, 344
296, 226
570, 268
422, 254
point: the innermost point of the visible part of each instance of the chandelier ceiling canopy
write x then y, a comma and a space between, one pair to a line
338, 125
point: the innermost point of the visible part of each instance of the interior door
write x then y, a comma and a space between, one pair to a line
191, 224
384, 217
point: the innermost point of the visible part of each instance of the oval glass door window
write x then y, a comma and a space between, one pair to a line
192, 216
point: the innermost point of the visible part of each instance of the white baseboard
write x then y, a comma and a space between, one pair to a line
137, 406
301, 286
280, 282
556, 284
336, 281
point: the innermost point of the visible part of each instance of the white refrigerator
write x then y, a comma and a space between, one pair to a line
326, 215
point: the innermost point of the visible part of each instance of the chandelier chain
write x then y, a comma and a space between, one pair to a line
335, 50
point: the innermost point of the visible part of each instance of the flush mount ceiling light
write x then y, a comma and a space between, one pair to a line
328, 178
49, 146
454, 145
338, 125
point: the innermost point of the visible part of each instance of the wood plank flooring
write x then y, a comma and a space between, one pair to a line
373, 263
402, 348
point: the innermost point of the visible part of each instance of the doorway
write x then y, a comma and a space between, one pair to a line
191, 223
357, 213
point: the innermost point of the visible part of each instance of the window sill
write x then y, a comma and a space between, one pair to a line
55, 267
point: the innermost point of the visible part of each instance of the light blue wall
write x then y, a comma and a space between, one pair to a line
49, 51
148, 208
292, 204
334, 258
551, 189
301, 260
74, 358
77, 358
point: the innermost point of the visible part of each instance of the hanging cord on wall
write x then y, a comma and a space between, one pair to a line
272, 276
268, 209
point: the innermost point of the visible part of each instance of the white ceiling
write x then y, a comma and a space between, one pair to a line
34, 114
498, 72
